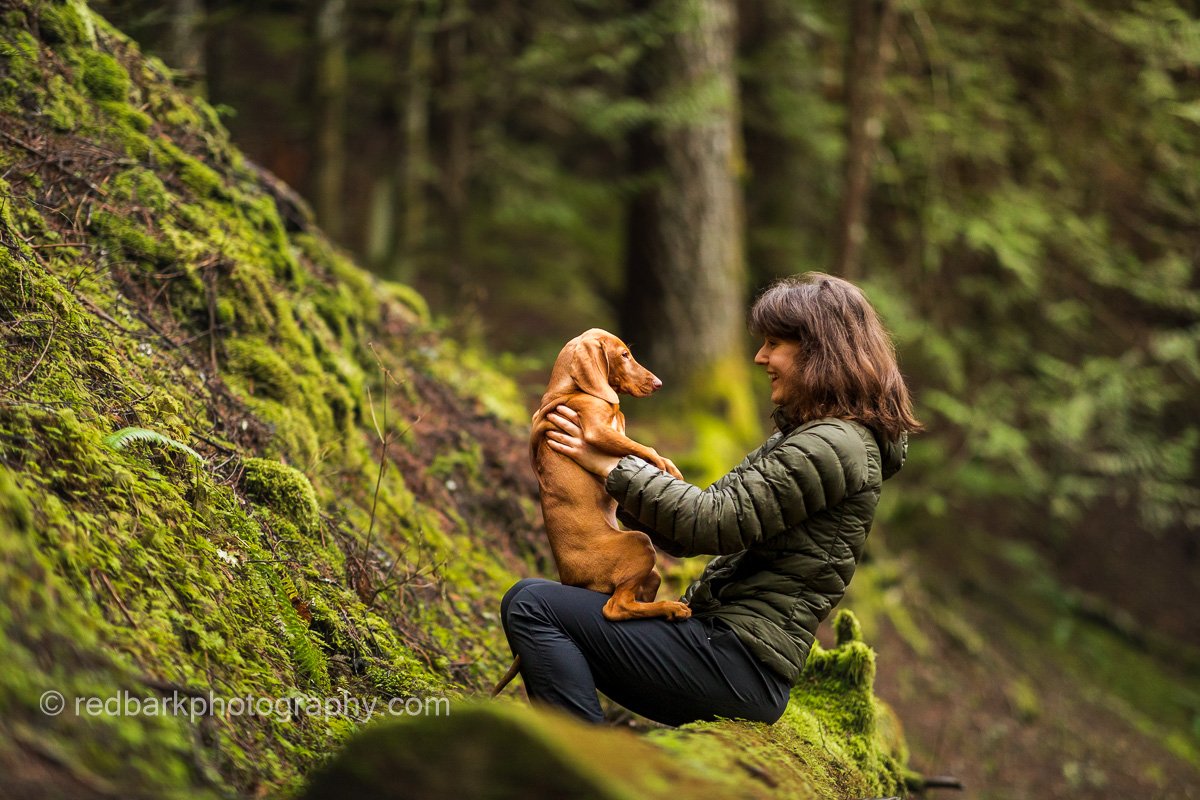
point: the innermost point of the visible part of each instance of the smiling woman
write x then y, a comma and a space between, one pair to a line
779, 356
788, 526
829, 355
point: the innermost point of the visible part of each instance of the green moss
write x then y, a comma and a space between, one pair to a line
141, 187
126, 116
195, 174
66, 23
408, 298
263, 370
104, 78
465, 464
129, 238
501, 749
834, 700
283, 489
63, 106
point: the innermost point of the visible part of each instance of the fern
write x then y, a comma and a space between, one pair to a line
126, 436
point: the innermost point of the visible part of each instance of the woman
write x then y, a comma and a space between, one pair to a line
787, 525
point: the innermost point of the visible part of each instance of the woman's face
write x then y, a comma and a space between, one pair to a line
779, 357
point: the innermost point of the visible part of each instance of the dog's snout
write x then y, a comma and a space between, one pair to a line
657, 383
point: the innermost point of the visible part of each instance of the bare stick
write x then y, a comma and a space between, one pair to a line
113, 592
28, 375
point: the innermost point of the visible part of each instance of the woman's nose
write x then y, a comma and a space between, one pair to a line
761, 356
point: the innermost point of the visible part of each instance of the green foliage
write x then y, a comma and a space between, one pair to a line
1029, 243
126, 436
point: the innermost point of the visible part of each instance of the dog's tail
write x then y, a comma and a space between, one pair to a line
508, 676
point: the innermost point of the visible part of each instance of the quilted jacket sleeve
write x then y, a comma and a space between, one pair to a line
662, 545
814, 468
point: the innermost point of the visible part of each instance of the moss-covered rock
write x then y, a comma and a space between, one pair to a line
282, 489
834, 741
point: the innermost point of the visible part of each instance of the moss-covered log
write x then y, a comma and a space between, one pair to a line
836, 740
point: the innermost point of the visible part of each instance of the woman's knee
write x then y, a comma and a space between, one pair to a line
517, 588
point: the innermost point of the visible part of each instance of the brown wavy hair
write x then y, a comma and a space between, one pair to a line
847, 363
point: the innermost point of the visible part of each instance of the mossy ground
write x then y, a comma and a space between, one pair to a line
363, 499
835, 741
1005, 684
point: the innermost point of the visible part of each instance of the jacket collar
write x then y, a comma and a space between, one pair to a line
782, 421
892, 454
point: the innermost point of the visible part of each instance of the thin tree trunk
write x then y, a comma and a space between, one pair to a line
774, 209
872, 29
185, 40
398, 204
329, 112
684, 305
452, 132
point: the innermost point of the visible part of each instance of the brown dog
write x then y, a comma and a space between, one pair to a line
581, 519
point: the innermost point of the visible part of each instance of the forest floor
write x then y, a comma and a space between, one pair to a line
1016, 700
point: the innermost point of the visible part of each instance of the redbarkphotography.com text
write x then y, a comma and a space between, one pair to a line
198, 705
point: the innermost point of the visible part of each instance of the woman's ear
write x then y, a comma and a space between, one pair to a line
589, 369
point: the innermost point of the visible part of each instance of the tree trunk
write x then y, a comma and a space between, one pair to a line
872, 29
776, 212
329, 112
398, 204
450, 128
684, 304
184, 49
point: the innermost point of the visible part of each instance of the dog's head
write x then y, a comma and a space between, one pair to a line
602, 366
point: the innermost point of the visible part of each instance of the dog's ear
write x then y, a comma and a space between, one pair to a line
589, 369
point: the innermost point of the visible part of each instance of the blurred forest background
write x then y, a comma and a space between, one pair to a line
1017, 185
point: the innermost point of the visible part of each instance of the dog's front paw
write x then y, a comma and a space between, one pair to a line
678, 611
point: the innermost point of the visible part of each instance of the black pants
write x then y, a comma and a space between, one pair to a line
672, 672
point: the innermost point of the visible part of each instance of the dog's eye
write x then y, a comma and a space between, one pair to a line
625, 354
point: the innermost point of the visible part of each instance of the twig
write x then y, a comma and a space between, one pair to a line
100, 313
217, 445
384, 439
941, 782
36, 364
212, 320
59, 163
145, 318
113, 592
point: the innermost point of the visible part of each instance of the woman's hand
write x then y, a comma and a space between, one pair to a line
568, 440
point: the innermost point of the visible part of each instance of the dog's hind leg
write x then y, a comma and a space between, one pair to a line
624, 604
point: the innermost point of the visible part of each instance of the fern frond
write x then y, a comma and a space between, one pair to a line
126, 436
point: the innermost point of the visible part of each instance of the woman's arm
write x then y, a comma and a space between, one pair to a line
663, 545
809, 472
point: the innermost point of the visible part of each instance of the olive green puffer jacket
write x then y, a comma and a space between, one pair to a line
787, 525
